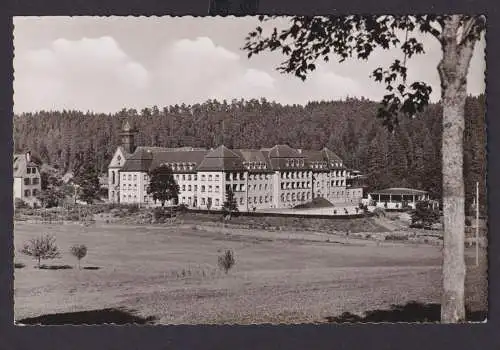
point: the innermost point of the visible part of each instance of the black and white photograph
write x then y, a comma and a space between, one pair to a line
250, 170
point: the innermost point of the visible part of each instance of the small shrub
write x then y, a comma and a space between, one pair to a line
385, 205
79, 251
41, 248
226, 261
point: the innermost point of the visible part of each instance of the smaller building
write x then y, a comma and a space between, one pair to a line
27, 179
397, 198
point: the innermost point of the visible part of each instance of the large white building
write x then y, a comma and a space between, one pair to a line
276, 177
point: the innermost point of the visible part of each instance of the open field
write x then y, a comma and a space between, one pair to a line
171, 273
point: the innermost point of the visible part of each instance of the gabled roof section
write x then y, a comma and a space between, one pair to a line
20, 164
313, 155
330, 156
284, 151
124, 152
179, 161
221, 159
254, 160
284, 157
140, 160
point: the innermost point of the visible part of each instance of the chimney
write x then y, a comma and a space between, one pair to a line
28, 156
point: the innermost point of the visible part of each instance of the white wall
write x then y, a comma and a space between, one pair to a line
212, 182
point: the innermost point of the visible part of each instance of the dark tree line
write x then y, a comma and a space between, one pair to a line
410, 156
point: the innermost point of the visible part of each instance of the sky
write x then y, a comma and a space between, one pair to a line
105, 64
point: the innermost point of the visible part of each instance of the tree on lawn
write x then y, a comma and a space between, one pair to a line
230, 205
309, 39
52, 192
87, 179
162, 185
79, 251
41, 248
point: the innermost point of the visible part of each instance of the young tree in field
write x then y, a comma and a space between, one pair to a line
41, 248
79, 251
162, 185
226, 261
230, 205
309, 39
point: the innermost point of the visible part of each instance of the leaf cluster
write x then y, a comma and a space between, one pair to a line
311, 39
162, 185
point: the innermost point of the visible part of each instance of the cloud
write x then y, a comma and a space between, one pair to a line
90, 73
194, 70
100, 75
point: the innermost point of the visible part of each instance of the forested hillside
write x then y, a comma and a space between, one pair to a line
408, 157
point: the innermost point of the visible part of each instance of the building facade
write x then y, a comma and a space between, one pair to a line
276, 177
27, 179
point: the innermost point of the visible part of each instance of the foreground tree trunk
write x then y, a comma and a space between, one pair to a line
453, 74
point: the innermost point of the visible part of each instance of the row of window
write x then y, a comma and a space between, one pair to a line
31, 181
30, 193
255, 165
231, 176
296, 175
265, 199
31, 170
128, 177
294, 162
294, 185
293, 197
181, 166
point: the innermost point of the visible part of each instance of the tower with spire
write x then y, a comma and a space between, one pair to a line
128, 137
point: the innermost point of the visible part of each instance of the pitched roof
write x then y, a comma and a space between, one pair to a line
20, 164
284, 151
140, 160
256, 157
400, 191
312, 155
189, 159
330, 156
181, 158
221, 158
145, 159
